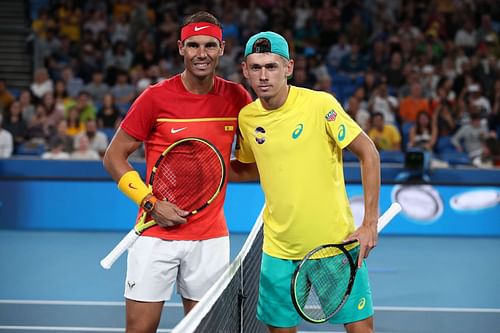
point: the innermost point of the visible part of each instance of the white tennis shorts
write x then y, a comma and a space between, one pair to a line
155, 265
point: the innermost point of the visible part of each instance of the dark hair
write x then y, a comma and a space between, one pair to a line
201, 16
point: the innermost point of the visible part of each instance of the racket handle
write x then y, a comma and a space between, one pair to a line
388, 215
121, 247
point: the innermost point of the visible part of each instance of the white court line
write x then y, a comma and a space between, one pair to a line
72, 329
174, 305
77, 303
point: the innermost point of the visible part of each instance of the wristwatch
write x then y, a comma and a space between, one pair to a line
149, 203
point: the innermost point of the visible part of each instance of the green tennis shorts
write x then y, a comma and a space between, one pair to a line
275, 305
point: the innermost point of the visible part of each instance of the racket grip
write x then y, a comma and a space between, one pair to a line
388, 215
121, 247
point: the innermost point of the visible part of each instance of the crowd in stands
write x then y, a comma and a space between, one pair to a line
414, 74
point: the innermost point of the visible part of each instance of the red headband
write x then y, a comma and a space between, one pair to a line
201, 28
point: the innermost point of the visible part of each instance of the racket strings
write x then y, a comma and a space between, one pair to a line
189, 175
323, 284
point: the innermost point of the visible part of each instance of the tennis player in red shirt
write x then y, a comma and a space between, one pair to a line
191, 251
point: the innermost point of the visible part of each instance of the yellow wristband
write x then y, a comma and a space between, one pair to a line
133, 187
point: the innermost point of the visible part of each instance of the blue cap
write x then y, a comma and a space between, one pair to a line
275, 44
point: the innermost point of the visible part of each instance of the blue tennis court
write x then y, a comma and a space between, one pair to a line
51, 281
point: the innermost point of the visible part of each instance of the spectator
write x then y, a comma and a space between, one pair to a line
353, 64
424, 133
54, 112
394, 71
39, 130
360, 115
74, 123
62, 100
96, 23
119, 28
109, 115
97, 88
466, 36
490, 154
382, 102
6, 97
83, 150
444, 118
123, 92
410, 106
385, 136
42, 83
477, 99
117, 59
145, 54
73, 84
98, 141
27, 106
62, 134
338, 51
6, 141
14, 123
56, 150
469, 137
84, 106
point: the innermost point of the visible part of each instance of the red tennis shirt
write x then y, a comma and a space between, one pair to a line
167, 112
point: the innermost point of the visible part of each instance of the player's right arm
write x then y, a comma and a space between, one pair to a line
129, 182
116, 157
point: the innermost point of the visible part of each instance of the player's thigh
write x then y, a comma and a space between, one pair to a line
142, 317
274, 306
152, 267
359, 304
201, 266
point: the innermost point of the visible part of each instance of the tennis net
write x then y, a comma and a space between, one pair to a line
230, 304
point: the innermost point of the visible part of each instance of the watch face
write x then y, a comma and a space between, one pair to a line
148, 205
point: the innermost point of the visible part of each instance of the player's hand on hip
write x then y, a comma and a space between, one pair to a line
167, 214
367, 237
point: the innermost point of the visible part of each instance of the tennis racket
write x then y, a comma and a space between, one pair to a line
323, 280
190, 174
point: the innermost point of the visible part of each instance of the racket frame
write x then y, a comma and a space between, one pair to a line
383, 221
353, 269
129, 239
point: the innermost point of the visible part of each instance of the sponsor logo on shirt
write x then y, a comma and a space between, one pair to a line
331, 116
177, 130
341, 135
260, 135
297, 131
228, 128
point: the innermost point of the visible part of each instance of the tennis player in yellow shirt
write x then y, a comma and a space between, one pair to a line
293, 139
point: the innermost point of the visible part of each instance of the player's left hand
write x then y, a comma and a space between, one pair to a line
367, 237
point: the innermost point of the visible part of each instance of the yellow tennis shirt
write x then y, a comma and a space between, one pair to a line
298, 150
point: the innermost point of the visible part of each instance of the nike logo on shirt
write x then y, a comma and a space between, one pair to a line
197, 28
177, 130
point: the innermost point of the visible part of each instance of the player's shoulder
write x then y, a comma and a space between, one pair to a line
308, 93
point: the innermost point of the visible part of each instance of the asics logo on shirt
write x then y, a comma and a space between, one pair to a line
341, 135
177, 130
297, 131
197, 28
